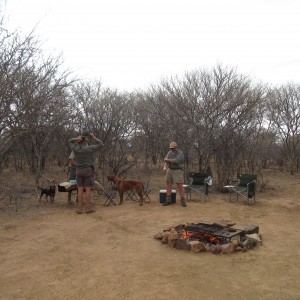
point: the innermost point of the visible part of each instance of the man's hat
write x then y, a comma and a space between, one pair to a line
173, 145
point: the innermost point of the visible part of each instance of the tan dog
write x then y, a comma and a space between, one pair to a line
126, 185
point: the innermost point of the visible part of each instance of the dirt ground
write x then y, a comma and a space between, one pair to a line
49, 252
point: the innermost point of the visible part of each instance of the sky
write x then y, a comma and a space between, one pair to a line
130, 44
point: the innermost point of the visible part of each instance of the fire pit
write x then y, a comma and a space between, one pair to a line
210, 233
216, 237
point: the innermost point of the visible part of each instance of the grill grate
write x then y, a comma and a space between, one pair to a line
212, 233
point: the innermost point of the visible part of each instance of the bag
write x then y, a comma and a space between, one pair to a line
66, 186
62, 186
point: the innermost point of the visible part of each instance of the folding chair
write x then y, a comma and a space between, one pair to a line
146, 197
110, 195
146, 190
246, 188
131, 195
197, 182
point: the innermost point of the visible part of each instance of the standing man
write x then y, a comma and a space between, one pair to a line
84, 167
175, 162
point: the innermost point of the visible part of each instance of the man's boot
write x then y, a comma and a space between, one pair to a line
89, 210
168, 201
183, 203
79, 207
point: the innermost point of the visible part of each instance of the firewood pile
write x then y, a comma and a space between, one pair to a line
246, 237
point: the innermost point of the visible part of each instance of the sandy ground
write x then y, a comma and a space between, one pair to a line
49, 252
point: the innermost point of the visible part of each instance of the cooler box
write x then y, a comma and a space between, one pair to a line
163, 196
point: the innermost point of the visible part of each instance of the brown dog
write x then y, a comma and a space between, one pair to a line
126, 185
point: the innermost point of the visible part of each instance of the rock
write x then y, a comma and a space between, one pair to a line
158, 236
228, 248
249, 243
182, 244
256, 237
172, 237
197, 246
214, 249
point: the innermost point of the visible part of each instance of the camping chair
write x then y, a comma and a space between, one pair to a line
110, 195
146, 191
197, 182
246, 188
131, 195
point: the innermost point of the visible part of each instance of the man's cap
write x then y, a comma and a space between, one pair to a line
173, 145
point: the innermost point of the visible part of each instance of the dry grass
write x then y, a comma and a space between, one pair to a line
49, 252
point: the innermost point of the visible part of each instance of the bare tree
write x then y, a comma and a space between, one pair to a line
110, 115
237, 103
284, 113
33, 99
152, 133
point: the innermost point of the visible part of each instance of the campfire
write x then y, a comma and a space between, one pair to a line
216, 237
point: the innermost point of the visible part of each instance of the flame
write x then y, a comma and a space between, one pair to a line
214, 240
185, 234
200, 236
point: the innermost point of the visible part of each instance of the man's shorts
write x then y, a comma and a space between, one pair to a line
84, 176
174, 176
